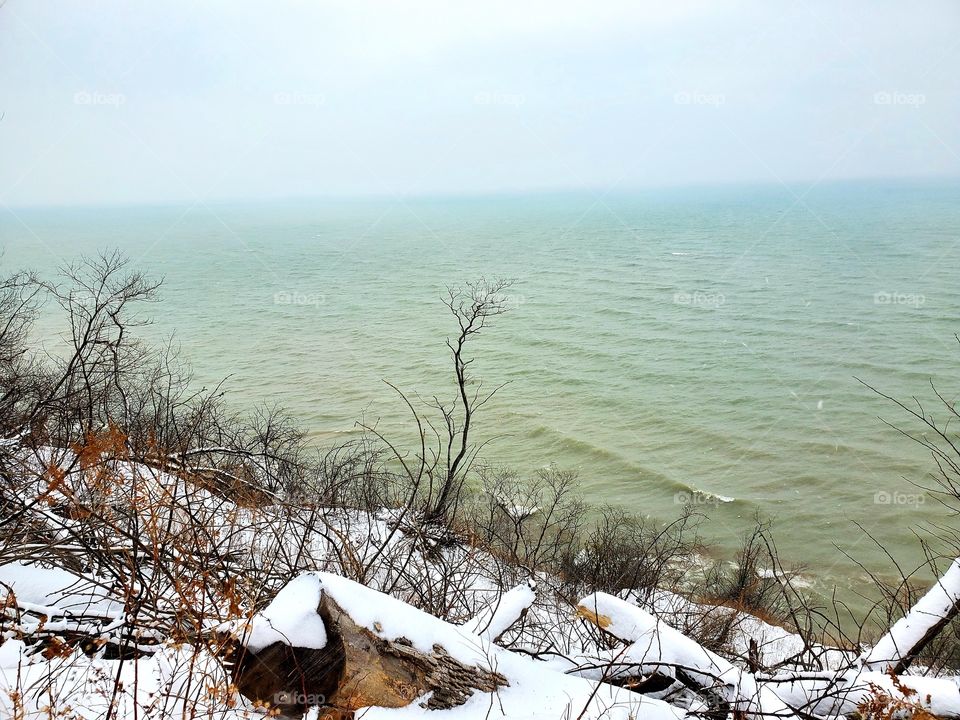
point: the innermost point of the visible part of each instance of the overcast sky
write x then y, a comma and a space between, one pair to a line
117, 101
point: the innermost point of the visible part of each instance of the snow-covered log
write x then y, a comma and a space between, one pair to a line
911, 633
370, 650
306, 649
880, 670
497, 617
655, 646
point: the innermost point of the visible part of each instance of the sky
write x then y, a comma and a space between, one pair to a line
121, 101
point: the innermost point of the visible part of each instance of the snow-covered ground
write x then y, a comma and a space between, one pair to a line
63, 621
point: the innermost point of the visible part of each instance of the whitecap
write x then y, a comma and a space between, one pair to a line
714, 496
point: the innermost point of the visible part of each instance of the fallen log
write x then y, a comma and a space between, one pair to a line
901, 645
655, 647
306, 649
394, 673
101, 634
881, 669
326, 635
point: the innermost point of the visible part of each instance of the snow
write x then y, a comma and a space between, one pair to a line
776, 644
907, 632
841, 694
538, 695
176, 682
291, 618
500, 614
11, 653
57, 591
657, 646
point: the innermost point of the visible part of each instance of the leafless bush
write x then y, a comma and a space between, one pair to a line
20, 376
112, 466
436, 473
474, 306
532, 524
625, 551
749, 582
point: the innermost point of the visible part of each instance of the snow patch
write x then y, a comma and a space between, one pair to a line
291, 618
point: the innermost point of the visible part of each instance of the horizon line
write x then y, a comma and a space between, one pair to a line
599, 191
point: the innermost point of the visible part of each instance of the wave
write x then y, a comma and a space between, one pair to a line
584, 452
578, 447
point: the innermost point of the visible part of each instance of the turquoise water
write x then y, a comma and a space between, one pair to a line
661, 343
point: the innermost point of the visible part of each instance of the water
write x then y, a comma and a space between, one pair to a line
697, 344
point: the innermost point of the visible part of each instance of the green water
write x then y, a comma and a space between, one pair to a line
660, 343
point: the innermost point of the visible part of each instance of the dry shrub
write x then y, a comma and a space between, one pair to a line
880, 705
751, 583
534, 524
623, 551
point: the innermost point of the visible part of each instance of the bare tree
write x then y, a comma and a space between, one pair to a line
88, 386
473, 305
19, 372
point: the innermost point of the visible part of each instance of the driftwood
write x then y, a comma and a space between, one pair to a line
357, 668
